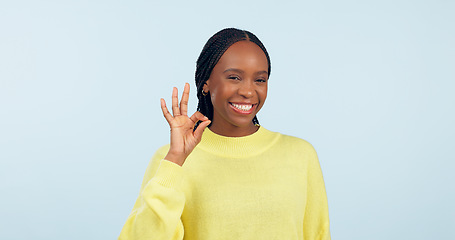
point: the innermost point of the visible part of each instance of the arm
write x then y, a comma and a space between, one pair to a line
316, 220
157, 211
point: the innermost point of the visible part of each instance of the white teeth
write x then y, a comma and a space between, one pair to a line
242, 107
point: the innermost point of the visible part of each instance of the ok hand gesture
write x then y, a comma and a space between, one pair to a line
183, 138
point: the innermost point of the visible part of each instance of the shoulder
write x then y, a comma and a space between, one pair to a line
162, 151
295, 144
293, 141
154, 163
157, 157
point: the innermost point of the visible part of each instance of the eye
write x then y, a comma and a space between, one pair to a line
234, 77
261, 80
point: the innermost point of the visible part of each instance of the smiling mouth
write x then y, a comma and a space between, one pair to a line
243, 108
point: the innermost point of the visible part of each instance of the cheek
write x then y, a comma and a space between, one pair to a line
216, 96
219, 93
263, 94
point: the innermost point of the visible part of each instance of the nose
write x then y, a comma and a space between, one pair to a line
246, 89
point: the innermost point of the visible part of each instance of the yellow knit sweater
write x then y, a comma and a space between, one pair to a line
263, 186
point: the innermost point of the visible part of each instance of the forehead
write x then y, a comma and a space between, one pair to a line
244, 54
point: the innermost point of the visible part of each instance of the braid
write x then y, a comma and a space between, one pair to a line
209, 57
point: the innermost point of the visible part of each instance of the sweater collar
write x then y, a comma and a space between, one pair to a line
238, 147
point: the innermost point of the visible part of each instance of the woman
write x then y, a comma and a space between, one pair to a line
223, 176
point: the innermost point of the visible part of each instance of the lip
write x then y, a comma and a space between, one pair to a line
243, 112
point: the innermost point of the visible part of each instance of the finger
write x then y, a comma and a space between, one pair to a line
200, 129
175, 102
184, 101
198, 116
166, 113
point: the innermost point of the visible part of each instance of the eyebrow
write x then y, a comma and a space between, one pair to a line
241, 71
233, 70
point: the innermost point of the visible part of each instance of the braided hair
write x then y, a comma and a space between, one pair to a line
209, 57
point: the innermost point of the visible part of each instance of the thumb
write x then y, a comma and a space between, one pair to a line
200, 129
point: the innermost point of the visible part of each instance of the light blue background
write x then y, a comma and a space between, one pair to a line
369, 83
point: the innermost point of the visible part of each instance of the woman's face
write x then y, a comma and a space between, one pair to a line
238, 89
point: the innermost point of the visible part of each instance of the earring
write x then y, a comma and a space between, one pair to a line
256, 121
204, 93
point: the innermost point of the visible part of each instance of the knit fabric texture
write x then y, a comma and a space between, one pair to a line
262, 186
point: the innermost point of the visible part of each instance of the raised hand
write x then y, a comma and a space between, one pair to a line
183, 138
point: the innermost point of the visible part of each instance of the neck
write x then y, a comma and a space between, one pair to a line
238, 147
234, 131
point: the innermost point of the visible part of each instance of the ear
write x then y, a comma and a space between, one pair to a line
206, 86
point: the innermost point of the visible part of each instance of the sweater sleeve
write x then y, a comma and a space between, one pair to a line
316, 220
157, 211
